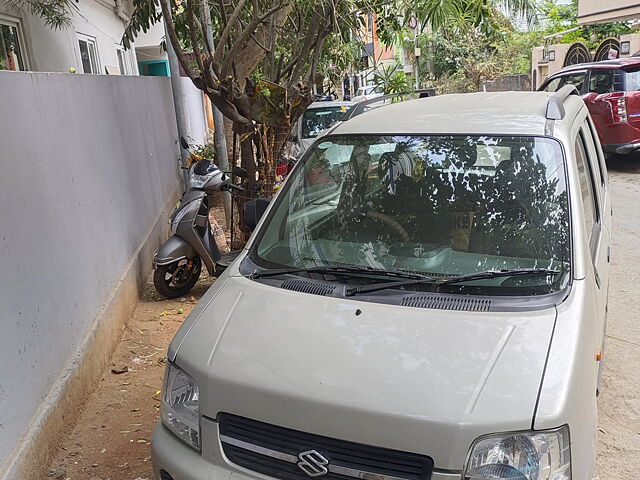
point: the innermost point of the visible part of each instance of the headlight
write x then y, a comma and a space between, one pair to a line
180, 406
544, 455
197, 181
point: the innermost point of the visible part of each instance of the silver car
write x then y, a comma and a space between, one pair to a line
316, 119
424, 299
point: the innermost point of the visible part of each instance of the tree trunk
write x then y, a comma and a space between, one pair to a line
247, 161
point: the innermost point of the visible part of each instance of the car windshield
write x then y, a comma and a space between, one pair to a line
316, 120
435, 205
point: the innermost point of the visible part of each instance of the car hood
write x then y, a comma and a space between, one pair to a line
412, 379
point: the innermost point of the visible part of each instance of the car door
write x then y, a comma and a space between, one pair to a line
597, 206
600, 96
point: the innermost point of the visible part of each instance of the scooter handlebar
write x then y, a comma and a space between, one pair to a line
232, 186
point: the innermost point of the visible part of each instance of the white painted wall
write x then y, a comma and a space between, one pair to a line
88, 163
147, 49
152, 37
57, 50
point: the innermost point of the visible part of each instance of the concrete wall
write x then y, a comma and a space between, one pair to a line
507, 83
89, 174
50, 50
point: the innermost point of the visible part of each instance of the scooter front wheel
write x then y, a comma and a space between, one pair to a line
177, 278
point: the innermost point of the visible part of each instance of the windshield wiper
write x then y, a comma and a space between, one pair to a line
451, 280
339, 269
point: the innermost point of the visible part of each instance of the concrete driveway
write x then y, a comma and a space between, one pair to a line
619, 401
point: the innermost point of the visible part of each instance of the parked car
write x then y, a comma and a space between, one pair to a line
367, 93
318, 117
424, 299
611, 90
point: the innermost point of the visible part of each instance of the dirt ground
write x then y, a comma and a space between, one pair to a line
113, 431
619, 401
112, 435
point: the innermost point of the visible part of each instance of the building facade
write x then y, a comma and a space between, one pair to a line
91, 44
375, 56
598, 11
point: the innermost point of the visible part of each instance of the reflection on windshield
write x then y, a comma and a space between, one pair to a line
316, 120
438, 205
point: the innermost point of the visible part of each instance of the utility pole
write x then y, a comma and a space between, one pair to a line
416, 54
413, 23
178, 100
222, 155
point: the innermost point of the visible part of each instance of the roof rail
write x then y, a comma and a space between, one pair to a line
361, 107
555, 105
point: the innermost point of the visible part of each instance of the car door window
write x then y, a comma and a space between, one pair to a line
585, 177
553, 85
601, 81
602, 167
575, 79
592, 157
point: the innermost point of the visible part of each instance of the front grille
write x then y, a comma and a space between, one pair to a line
292, 455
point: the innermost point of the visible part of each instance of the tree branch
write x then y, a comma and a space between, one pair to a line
194, 42
166, 13
316, 22
244, 36
226, 32
253, 37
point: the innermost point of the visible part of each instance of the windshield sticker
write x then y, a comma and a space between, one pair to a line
325, 145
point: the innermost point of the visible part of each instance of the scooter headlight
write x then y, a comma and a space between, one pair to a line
180, 406
544, 455
197, 181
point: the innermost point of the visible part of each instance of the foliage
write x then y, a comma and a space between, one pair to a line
145, 14
206, 150
561, 17
459, 55
392, 79
55, 13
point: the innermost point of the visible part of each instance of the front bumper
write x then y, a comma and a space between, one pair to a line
180, 462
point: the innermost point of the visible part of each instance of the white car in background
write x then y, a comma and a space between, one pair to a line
367, 93
317, 118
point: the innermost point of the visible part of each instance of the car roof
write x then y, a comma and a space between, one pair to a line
335, 103
617, 63
494, 113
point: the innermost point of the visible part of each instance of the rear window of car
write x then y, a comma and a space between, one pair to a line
632, 80
601, 81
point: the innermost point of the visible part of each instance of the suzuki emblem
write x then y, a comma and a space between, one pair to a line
313, 463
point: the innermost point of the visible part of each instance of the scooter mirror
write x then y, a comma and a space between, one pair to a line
253, 210
240, 172
183, 143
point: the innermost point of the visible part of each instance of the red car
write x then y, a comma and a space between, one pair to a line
611, 91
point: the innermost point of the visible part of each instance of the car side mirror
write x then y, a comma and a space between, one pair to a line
253, 211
